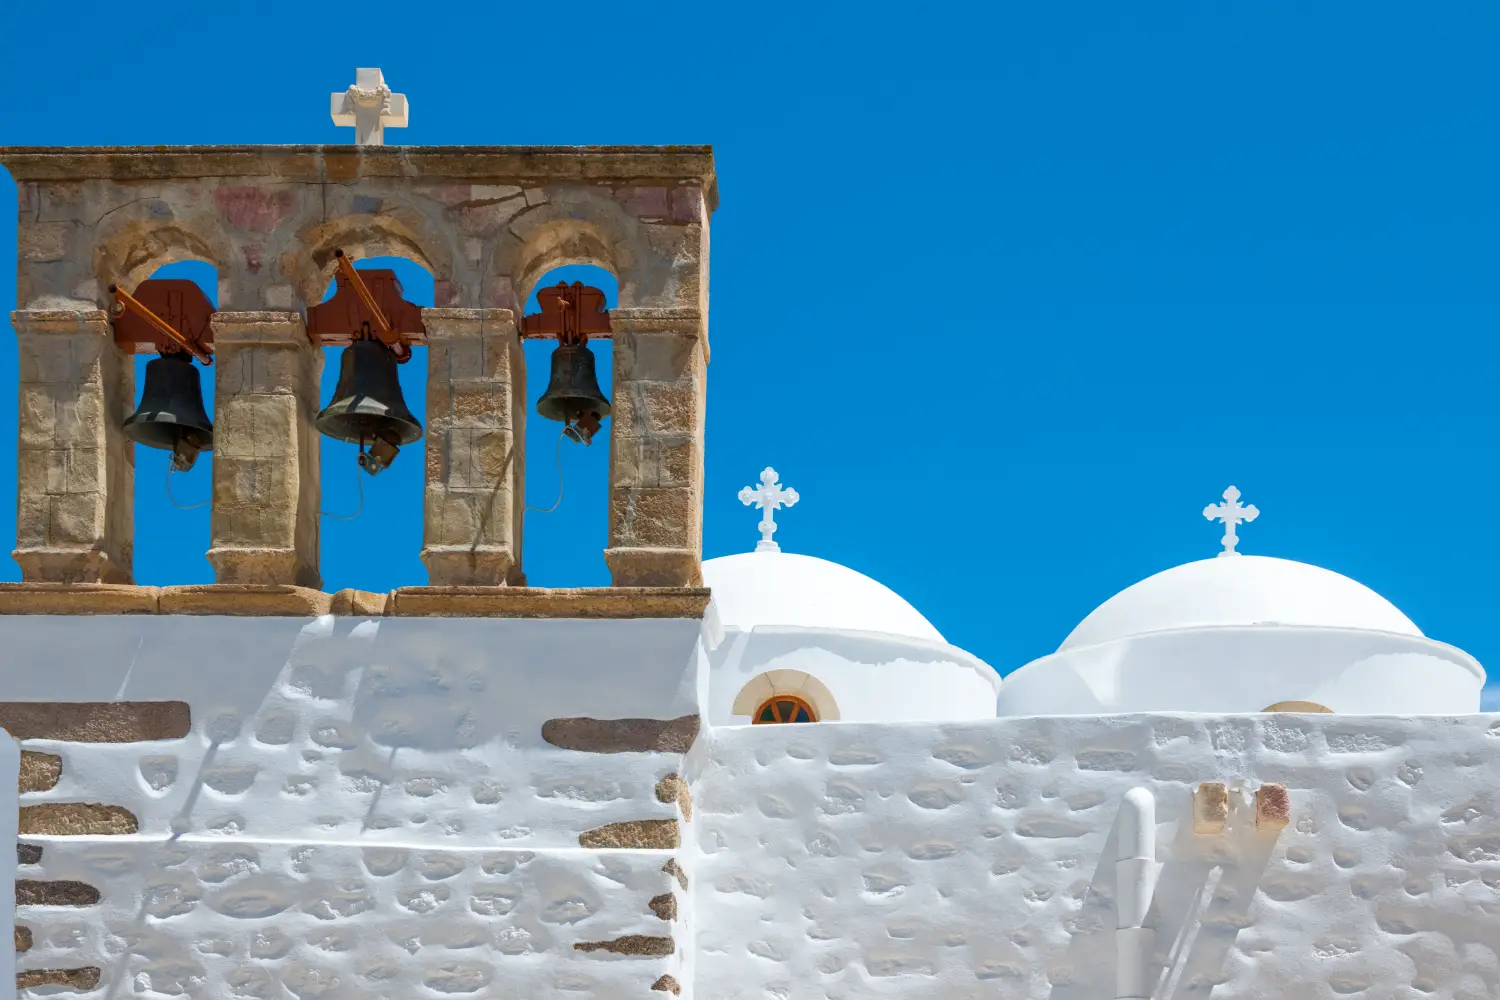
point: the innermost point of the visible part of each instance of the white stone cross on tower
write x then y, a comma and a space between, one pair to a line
1231, 512
370, 107
768, 496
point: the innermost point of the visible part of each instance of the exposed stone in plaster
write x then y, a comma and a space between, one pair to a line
1210, 807
75, 819
642, 834
664, 906
672, 788
96, 721
39, 771
23, 938
667, 984
31, 892
672, 869
622, 735
1273, 806
28, 854
75, 979
360, 603
638, 945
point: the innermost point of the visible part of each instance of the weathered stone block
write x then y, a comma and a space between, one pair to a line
80, 980
39, 771
75, 819
95, 721
632, 944
1273, 807
666, 518
624, 736
654, 567
40, 242
1210, 807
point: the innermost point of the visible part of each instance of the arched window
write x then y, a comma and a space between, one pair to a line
784, 708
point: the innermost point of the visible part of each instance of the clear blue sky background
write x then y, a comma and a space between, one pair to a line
1007, 292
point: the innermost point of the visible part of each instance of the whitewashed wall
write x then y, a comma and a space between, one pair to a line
976, 859
10, 764
361, 808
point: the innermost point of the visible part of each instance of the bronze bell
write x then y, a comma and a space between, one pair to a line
573, 396
171, 414
368, 408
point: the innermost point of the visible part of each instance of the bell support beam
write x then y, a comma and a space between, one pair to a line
266, 472
656, 449
75, 517
476, 440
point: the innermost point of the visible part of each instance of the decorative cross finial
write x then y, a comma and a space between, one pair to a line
768, 496
370, 107
1231, 512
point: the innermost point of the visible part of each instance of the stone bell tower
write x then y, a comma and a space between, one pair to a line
488, 222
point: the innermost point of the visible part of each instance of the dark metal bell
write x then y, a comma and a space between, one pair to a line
367, 407
171, 415
573, 397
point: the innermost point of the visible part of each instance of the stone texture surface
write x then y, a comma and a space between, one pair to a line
538, 602
476, 439
75, 819
640, 834
95, 722
1273, 806
23, 938
64, 892
28, 854
632, 944
69, 979
664, 906
359, 602
673, 869
76, 599
254, 600
672, 788
623, 735
76, 470
265, 520
1210, 807
39, 771
667, 984
656, 448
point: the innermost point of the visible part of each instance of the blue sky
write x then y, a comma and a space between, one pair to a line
1007, 292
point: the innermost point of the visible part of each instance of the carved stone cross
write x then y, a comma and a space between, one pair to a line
1232, 513
768, 496
369, 106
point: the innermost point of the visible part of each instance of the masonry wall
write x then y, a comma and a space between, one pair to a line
346, 807
977, 859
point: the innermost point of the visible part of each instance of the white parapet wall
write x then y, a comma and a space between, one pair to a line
332, 807
980, 859
10, 767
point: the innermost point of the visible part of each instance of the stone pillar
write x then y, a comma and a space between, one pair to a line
656, 449
476, 447
266, 470
75, 513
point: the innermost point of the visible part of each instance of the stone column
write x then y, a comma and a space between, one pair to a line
656, 449
476, 447
75, 513
266, 470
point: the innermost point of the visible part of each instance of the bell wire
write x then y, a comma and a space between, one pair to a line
560, 435
173, 500
359, 484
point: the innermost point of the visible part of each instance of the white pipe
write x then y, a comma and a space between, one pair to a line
1135, 883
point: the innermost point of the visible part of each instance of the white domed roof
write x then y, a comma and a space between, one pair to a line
781, 588
1240, 590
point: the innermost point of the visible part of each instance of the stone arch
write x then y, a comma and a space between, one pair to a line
798, 683
395, 233
135, 246
576, 227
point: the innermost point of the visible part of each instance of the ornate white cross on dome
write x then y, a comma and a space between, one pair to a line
768, 496
370, 107
1232, 513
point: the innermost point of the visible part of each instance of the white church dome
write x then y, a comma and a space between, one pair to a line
781, 588
1239, 591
